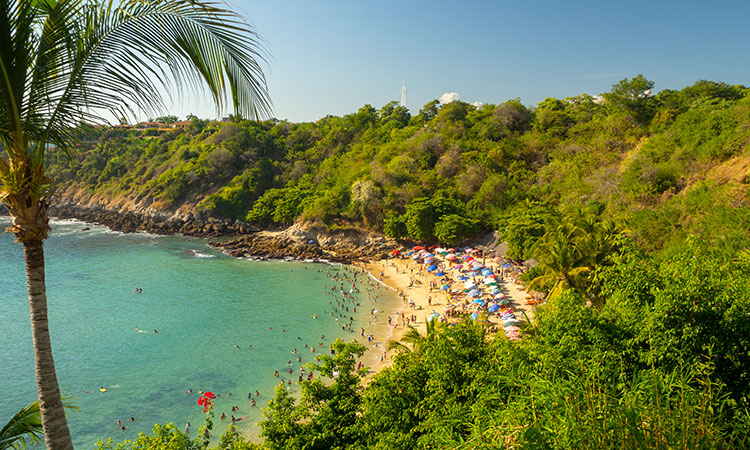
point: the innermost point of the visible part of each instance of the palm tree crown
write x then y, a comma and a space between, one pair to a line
66, 62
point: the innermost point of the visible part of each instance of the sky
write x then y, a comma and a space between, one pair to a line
333, 57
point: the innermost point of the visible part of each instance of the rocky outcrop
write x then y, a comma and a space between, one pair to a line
152, 221
303, 240
126, 214
312, 241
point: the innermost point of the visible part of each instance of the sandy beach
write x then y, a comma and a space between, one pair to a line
397, 273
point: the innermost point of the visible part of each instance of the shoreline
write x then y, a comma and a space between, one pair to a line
397, 273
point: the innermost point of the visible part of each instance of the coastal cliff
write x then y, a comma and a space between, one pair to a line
304, 240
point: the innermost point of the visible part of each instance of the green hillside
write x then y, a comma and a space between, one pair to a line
635, 206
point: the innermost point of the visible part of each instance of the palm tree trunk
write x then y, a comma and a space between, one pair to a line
56, 433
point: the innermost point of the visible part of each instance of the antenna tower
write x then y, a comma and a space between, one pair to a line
403, 95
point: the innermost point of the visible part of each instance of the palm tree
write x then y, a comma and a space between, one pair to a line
570, 250
66, 62
416, 339
561, 259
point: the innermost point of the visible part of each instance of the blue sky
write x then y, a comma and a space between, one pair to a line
332, 57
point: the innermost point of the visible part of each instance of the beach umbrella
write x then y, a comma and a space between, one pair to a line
474, 293
432, 267
395, 252
471, 274
439, 274
505, 302
491, 284
445, 287
409, 253
496, 290
499, 295
474, 316
479, 300
505, 266
463, 278
498, 259
418, 247
451, 307
459, 266
493, 308
492, 275
511, 328
468, 250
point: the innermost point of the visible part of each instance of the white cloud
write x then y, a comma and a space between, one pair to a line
477, 104
449, 97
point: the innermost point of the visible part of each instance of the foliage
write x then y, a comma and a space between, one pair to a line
23, 429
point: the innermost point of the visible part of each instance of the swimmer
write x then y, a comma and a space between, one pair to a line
236, 346
223, 416
257, 393
252, 402
132, 419
155, 331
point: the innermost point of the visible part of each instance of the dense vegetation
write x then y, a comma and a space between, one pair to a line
636, 208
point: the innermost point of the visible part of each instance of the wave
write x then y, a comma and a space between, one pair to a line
197, 254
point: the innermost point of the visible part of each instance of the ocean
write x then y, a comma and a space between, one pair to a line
191, 328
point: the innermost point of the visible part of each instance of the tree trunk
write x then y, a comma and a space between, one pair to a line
56, 433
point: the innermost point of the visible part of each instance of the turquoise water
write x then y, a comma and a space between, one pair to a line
201, 302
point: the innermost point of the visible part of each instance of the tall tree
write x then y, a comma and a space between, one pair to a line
63, 62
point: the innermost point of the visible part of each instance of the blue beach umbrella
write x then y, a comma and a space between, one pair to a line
445, 287
463, 278
431, 268
505, 266
409, 253
493, 308
439, 274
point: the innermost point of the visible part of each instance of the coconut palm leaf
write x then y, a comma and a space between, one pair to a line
67, 62
22, 429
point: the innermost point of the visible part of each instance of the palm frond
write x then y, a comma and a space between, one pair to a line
24, 428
